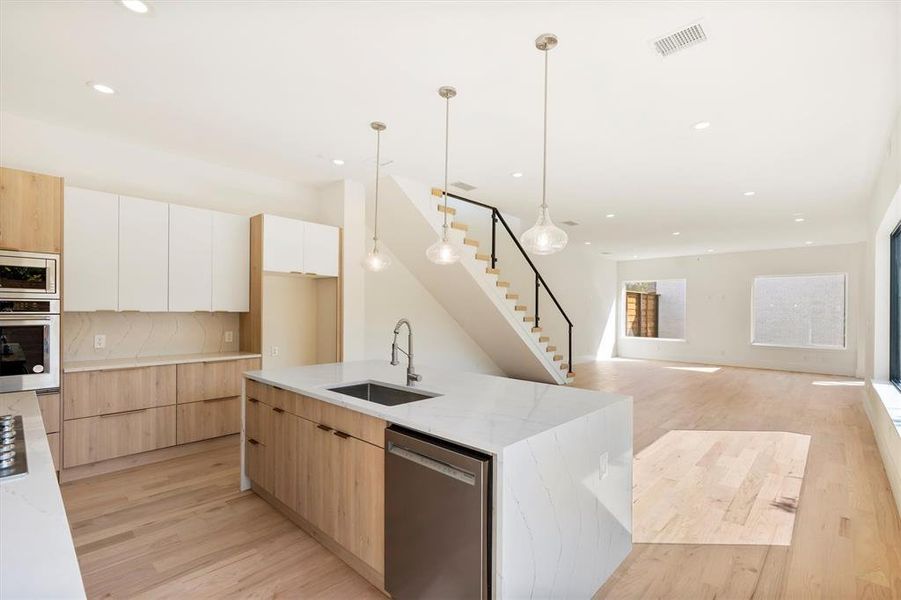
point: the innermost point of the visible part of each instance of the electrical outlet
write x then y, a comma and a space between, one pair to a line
274, 351
602, 471
99, 341
229, 336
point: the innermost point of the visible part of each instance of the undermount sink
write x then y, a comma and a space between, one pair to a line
382, 394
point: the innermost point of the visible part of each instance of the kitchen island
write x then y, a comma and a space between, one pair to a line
561, 466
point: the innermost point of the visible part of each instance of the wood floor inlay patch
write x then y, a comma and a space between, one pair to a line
719, 487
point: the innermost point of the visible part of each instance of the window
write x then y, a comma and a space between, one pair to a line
799, 311
655, 309
895, 307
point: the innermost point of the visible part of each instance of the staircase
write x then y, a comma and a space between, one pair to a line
504, 324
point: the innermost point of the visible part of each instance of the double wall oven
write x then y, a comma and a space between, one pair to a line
29, 321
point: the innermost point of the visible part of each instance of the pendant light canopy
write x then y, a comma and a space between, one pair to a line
376, 260
544, 237
443, 252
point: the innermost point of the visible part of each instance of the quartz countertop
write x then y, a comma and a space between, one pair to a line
482, 412
37, 556
151, 361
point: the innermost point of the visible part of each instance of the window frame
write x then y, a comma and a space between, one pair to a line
844, 345
622, 324
894, 360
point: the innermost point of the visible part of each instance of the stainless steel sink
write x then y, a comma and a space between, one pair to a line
382, 394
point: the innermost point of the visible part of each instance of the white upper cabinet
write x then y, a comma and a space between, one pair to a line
143, 255
320, 250
282, 244
231, 263
190, 259
91, 268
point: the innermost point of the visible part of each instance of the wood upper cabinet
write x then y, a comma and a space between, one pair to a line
190, 259
320, 250
31, 211
282, 244
93, 393
143, 255
211, 380
231, 263
91, 241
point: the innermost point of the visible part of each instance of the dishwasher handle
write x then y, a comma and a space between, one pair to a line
430, 463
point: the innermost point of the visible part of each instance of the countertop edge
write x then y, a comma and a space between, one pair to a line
81, 366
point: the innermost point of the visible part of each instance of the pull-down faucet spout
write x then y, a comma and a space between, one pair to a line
412, 376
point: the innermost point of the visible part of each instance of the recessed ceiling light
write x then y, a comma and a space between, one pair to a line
709, 249
799, 219
101, 87
634, 256
701, 125
750, 193
587, 243
337, 162
517, 174
136, 6
677, 233
808, 243
610, 215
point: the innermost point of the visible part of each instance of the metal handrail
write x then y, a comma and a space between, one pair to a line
539, 280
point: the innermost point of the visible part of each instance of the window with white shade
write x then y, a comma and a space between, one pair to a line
800, 311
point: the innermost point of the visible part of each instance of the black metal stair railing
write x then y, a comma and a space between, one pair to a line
496, 217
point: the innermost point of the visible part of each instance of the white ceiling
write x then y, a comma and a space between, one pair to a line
801, 97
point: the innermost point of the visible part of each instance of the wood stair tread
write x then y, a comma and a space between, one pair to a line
491, 271
471, 242
484, 257
550, 349
512, 296
459, 226
537, 330
564, 367
520, 308
528, 319
544, 338
503, 284
558, 357
449, 210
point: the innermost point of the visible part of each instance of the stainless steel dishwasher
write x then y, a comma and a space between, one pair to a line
437, 518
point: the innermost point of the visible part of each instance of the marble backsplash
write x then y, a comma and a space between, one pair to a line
136, 334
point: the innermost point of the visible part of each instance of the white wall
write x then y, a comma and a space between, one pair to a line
438, 340
102, 163
718, 308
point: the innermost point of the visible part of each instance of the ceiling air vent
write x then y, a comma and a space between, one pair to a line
680, 40
461, 185
570, 223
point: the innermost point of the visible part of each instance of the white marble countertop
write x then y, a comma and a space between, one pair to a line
151, 361
37, 556
482, 412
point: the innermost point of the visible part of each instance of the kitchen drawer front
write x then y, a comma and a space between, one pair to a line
50, 408
95, 393
260, 464
258, 420
258, 391
53, 442
363, 427
100, 438
208, 419
211, 380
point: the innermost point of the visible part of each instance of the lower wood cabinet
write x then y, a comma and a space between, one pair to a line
50, 408
332, 479
94, 393
53, 442
209, 380
206, 419
109, 436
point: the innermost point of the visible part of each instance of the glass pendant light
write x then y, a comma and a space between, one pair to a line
443, 252
544, 237
376, 260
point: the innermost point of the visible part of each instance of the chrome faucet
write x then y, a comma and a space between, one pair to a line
412, 376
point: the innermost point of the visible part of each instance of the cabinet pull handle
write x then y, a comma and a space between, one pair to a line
278, 410
325, 428
252, 400
252, 441
219, 399
341, 434
120, 414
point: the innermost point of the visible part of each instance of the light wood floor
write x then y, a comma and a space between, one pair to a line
180, 529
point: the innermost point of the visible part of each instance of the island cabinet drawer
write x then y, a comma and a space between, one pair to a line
94, 439
257, 391
257, 420
211, 380
95, 393
260, 464
207, 419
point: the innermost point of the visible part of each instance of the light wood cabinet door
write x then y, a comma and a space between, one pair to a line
93, 439
143, 255
207, 419
257, 420
282, 244
190, 259
360, 500
286, 444
320, 250
31, 211
91, 241
211, 380
53, 442
94, 393
260, 464
50, 409
231, 263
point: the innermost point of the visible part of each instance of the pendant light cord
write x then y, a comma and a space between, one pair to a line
446, 146
544, 157
378, 160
